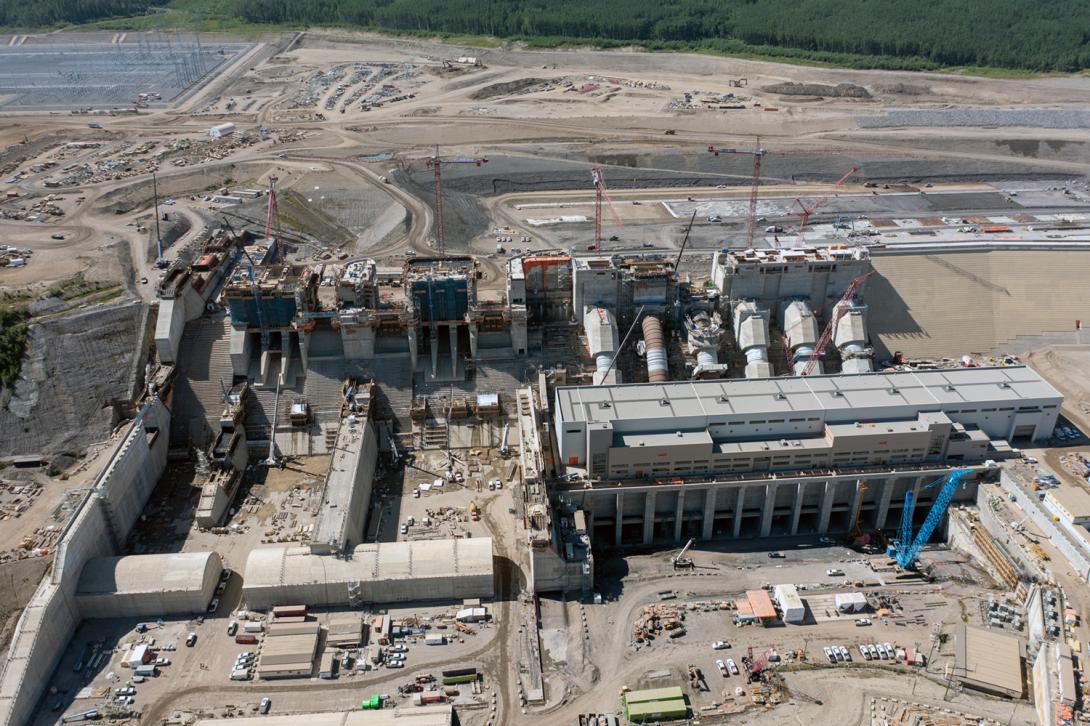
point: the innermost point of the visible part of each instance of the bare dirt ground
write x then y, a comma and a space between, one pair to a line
349, 120
588, 105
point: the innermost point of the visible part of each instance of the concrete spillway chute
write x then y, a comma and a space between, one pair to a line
602, 340
704, 334
850, 338
800, 330
751, 334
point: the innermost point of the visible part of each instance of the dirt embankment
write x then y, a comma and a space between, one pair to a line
840, 90
506, 89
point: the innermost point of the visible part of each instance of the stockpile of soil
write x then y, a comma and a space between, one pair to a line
840, 90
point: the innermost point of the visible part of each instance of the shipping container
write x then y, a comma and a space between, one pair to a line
289, 611
328, 665
252, 627
146, 670
459, 672
425, 699
435, 639
245, 638
454, 680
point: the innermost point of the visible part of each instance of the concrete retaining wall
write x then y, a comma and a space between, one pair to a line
168, 329
1074, 553
1028, 566
99, 526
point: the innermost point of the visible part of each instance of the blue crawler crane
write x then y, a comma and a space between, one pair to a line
906, 548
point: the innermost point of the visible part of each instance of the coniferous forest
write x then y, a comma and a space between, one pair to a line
1039, 35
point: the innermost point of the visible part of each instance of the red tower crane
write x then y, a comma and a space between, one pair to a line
600, 193
272, 221
436, 162
807, 211
758, 154
827, 334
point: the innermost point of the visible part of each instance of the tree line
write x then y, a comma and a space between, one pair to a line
1040, 35
1029, 34
45, 13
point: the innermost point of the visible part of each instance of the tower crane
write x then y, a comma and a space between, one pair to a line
827, 334
758, 153
600, 193
808, 210
272, 222
436, 162
906, 548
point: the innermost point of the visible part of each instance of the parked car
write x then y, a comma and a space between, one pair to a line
191, 639
214, 605
834, 572
266, 704
232, 627
776, 555
719, 645
722, 667
732, 667
861, 622
829, 654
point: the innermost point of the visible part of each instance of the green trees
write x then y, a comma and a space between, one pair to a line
915, 34
22, 14
1032, 34
13, 335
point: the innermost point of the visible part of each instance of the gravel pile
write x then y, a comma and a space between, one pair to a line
1044, 118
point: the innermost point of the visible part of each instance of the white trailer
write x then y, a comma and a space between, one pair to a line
791, 605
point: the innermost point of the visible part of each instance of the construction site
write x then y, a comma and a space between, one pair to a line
371, 381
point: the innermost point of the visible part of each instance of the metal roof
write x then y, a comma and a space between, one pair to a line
761, 604
988, 659
1074, 500
441, 558
434, 715
653, 694
178, 571
844, 394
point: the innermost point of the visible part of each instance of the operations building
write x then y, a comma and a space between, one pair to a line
1070, 503
744, 458
989, 660
148, 585
288, 650
386, 572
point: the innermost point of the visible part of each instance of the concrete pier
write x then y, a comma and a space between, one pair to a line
752, 508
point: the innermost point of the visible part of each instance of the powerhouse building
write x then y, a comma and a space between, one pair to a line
653, 463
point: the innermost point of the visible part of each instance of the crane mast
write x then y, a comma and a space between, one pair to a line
807, 211
436, 162
907, 547
827, 334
